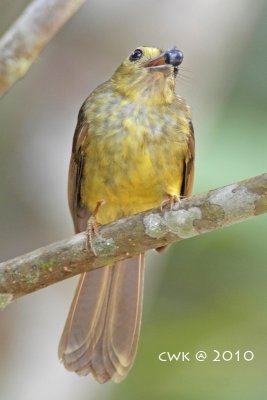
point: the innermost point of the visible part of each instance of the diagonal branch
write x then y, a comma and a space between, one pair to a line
26, 38
129, 236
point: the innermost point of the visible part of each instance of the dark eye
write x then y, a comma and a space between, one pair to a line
136, 55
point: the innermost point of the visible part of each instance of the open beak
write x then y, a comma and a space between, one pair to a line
170, 57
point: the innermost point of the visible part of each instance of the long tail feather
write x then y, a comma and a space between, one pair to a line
102, 329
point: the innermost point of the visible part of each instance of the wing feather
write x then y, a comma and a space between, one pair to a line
79, 212
188, 172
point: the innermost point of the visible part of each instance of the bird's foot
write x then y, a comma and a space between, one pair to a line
92, 229
171, 200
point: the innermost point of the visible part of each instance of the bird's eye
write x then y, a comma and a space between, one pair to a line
136, 55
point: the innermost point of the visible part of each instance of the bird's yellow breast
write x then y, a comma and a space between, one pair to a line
134, 157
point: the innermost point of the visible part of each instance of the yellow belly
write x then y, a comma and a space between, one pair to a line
131, 174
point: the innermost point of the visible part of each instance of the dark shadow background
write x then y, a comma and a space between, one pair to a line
205, 293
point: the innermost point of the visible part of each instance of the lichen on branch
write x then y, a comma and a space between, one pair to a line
129, 236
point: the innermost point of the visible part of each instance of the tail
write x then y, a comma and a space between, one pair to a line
102, 329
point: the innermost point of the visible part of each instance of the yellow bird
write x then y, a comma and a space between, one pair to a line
133, 148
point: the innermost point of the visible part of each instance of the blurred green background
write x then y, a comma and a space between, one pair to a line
205, 293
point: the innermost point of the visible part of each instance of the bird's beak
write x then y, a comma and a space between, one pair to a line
170, 57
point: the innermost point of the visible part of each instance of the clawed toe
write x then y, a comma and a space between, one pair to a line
91, 233
92, 229
172, 200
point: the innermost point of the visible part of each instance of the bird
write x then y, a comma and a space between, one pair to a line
133, 149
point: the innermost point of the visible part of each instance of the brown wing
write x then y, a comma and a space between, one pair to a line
79, 213
188, 174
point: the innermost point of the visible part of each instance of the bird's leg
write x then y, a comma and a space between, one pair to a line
172, 200
92, 228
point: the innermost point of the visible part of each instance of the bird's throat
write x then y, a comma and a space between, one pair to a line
151, 88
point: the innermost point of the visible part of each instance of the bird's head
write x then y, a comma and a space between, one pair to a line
148, 72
